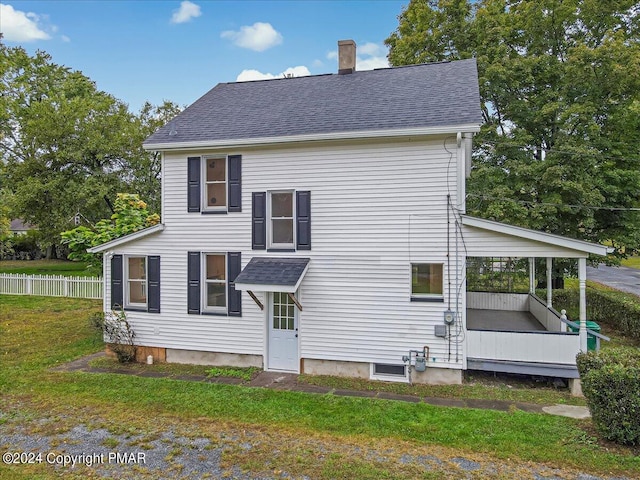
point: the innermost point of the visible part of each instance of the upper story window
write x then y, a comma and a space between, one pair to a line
427, 281
214, 184
281, 218
214, 189
136, 288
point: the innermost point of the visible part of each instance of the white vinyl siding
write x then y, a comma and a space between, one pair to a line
376, 209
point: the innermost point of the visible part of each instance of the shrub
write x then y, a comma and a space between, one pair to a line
117, 332
611, 384
615, 308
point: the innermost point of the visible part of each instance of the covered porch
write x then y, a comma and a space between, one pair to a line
518, 331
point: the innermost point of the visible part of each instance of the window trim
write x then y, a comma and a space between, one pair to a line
388, 377
206, 208
204, 308
128, 304
285, 247
426, 297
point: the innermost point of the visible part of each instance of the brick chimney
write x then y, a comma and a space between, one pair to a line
346, 56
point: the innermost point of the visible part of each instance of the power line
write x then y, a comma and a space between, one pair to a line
545, 204
553, 150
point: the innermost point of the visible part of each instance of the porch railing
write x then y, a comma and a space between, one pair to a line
554, 322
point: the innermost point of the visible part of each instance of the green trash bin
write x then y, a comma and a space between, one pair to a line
591, 339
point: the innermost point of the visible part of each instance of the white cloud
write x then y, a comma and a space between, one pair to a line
368, 56
371, 49
258, 37
251, 75
18, 26
65, 39
371, 63
317, 63
186, 12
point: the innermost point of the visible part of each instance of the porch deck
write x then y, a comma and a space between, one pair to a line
503, 321
517, 333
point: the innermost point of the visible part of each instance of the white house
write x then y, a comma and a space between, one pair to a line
317, 225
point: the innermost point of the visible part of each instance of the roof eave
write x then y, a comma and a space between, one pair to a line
549, 238
126, 239
362, 134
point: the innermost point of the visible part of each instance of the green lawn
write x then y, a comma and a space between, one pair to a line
37, 333
45, 267
633, 262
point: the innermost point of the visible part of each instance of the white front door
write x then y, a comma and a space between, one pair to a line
283, 333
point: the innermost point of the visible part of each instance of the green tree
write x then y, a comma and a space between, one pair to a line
130, 215
68, 146
61, 139
145, 168
559, 150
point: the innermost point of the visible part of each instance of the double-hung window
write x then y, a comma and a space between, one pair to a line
281, 220
214, 184
211, 283
215, 282
135, 282
136, 289
214, 191
427, 282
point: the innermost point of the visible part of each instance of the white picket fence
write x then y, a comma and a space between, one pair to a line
50, 285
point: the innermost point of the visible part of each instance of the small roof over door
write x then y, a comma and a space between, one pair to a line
272, 274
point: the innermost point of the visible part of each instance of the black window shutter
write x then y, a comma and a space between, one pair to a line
234, 265
193, 184
259, 220
193, 279
303, 220
153, 286
116, 282
235, 183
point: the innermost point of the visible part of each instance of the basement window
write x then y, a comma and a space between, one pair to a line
389, 372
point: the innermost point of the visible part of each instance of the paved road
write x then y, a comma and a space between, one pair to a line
621, 278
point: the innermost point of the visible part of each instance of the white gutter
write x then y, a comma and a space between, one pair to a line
363, 134
127, 238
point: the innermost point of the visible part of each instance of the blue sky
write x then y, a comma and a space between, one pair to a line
178, 50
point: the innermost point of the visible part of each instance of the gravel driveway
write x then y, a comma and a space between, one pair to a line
91, 451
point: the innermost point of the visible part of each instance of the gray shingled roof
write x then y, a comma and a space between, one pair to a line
428, 95
273, 271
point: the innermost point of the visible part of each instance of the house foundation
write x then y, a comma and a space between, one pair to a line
437, 376
432, 376
335, 368
218, 359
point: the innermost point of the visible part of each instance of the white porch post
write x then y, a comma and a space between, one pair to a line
582, 277
549, 282
532, 275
